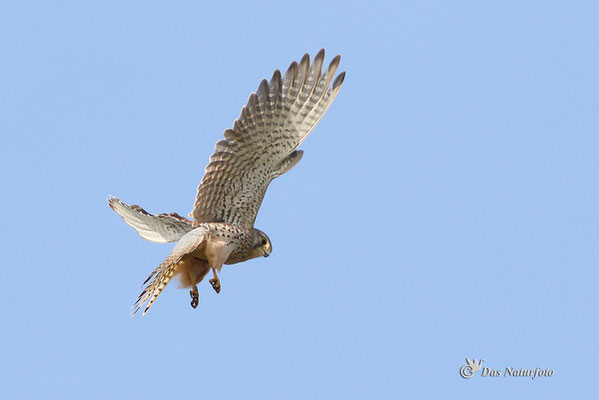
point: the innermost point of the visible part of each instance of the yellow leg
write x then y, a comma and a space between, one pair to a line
215, 282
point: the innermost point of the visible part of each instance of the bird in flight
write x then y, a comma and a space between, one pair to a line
261, 146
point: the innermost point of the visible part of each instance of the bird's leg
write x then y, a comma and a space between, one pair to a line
215, 282
195, 296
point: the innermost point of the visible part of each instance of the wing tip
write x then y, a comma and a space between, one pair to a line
320, 54
276, 74
114, 202
336, 60
263, 92
334, 64
338, 80
291, 69
305, 61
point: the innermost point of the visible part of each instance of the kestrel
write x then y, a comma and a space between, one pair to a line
261, 147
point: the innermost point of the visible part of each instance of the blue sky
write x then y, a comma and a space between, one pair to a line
445, 207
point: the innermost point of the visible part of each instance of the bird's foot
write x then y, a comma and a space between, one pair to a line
215, 284
195, 296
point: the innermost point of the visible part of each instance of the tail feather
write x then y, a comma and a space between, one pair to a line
153, 290
165, 271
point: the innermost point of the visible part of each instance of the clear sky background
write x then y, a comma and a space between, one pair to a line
446, 206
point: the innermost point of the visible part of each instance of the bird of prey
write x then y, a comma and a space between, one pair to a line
261, 147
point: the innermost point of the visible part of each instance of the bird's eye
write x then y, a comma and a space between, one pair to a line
263, 241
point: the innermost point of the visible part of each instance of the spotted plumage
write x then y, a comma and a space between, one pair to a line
261, 146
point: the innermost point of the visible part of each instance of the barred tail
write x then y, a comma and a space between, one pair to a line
161, 276
164, 273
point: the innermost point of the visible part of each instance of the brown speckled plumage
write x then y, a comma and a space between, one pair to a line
261, 146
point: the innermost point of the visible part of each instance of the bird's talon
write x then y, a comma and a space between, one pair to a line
195, 297
215, 285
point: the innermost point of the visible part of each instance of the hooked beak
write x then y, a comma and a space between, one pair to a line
266, 250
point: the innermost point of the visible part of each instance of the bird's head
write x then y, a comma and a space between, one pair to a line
261, 246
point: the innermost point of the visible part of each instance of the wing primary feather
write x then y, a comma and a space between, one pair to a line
296, 89
288, 79
321, 99
275, 81
249, 114
338, 80
263, 94
261, 104
316, 69
325, 102
311, 90
271, 96
328, 76
302, 71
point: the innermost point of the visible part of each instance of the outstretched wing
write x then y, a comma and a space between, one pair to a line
165, 271
159, 228
262, 143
